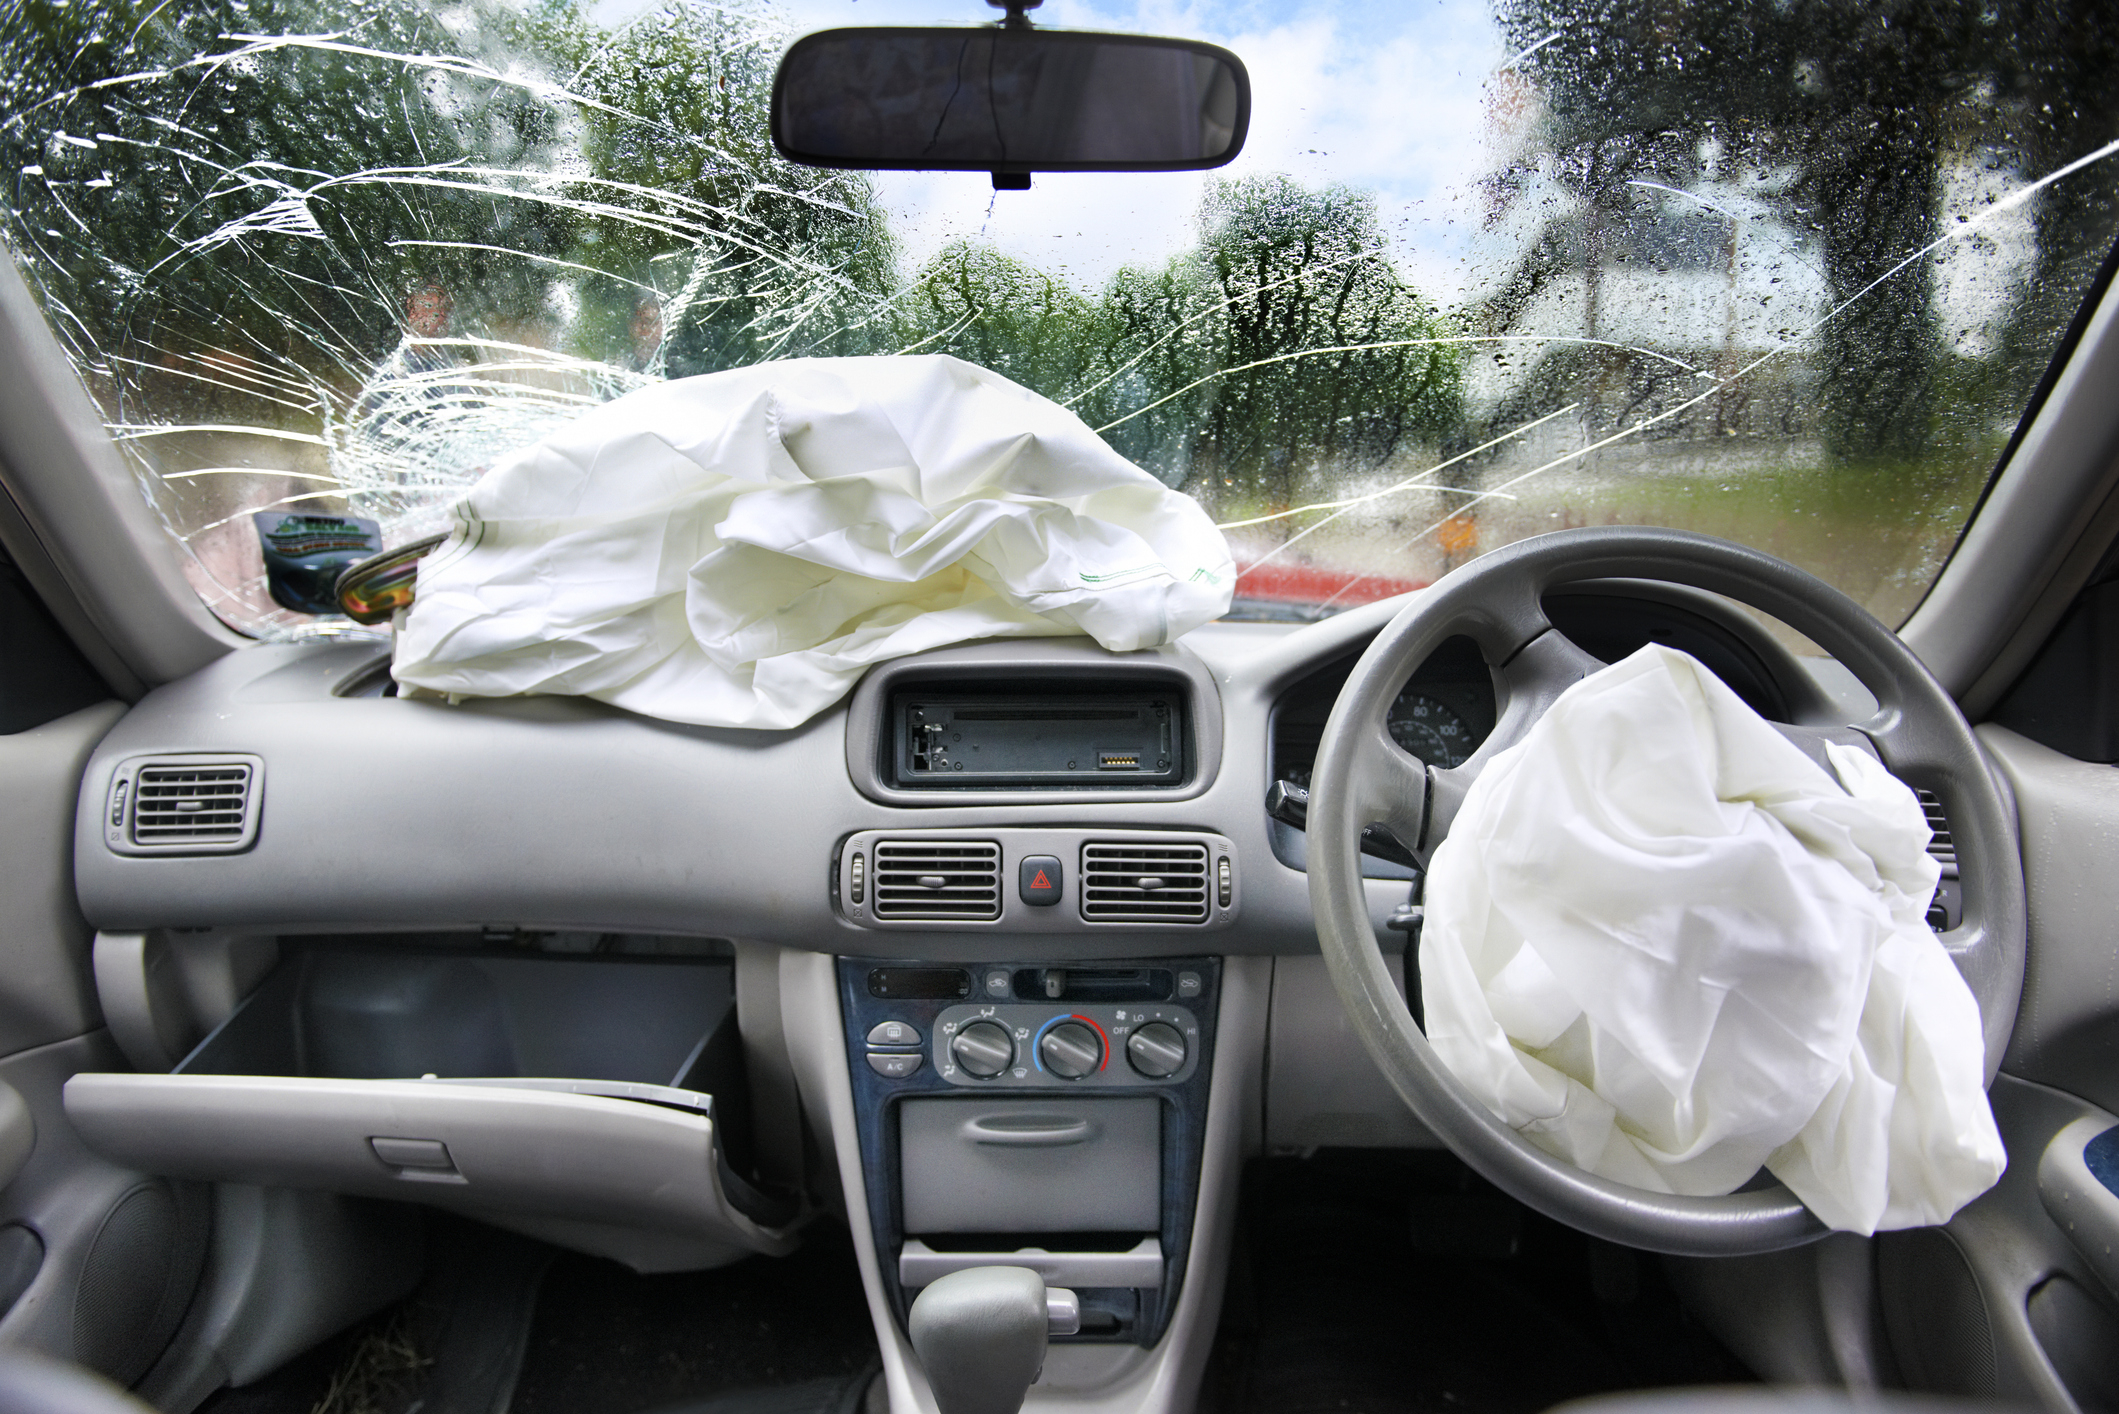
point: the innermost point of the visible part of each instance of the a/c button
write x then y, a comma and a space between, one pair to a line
1040, 879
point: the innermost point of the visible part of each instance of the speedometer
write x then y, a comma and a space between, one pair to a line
1430, 730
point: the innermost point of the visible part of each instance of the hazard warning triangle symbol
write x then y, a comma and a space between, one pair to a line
1041, 882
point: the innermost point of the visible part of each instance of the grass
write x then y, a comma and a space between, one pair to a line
1879, 530
378, 1374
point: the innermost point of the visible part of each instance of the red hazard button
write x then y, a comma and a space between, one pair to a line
1041, 879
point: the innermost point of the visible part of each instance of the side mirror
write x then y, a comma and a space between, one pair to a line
1009, 100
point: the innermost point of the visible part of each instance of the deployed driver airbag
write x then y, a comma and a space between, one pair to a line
737, 549
1668, 947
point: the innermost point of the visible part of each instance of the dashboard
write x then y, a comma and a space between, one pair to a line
354, 812
1018, 905
1444, 712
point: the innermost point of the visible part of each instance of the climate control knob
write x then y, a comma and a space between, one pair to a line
1071, 1050
1156, 1050
983, 1049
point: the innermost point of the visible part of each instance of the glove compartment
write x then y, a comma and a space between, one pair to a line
580, 1100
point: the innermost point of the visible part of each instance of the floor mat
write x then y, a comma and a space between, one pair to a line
609, 1341
453, 1347
1401, 1284
1361, 1283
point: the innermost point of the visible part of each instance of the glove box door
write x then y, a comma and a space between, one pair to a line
566, 1098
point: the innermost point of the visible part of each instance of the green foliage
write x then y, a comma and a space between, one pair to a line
1863, 105
762, 259
1284, 346
239, 209
269, 180
1331, 360
159, 193
1164, 340
994, 310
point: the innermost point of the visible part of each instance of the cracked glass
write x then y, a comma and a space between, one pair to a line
1787, 273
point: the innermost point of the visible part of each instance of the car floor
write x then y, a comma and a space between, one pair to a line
1388, 1282
1361, 1282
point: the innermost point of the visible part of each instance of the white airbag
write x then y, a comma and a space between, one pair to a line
736, 549
1666, 946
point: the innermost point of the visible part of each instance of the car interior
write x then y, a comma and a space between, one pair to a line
1038, 1026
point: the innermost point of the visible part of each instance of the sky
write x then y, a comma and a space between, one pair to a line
1388, 97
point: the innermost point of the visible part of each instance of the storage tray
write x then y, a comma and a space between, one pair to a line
570, 1098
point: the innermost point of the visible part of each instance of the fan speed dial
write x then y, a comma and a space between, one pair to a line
1156, 1050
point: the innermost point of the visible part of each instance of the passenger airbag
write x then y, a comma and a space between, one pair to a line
737, 549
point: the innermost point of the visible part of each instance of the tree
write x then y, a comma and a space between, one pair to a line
268, 180
758, 258
176, 190
1329, 360
1151, 382
991, 309
1866, 104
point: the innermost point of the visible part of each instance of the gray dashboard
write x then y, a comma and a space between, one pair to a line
381, 813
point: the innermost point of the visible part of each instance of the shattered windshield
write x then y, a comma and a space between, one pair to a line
1786, 272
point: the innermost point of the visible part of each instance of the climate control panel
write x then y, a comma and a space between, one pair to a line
959, 1040
1092, 1045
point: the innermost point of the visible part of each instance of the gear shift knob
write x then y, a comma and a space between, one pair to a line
981, 1335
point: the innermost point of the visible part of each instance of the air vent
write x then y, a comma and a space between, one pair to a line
958, 879
1942, 846
1128, 882
184, 804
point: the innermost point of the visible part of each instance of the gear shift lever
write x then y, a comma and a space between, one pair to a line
981, 1334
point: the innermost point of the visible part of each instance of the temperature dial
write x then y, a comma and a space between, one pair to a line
982, 1049
1156, 1050
1071, 1050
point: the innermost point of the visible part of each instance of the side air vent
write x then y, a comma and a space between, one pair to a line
1942, 846
184, 804
1946, 909
956, 879
1132, 882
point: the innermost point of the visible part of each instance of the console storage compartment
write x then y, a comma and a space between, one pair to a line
571, 1098
1023, 1165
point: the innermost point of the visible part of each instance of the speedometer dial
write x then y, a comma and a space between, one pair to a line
1430, 730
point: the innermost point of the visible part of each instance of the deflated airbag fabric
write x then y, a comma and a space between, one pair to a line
736, 549
1668, 947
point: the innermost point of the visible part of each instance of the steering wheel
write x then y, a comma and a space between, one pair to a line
1363, 777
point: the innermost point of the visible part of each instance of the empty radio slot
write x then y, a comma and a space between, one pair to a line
1029, 737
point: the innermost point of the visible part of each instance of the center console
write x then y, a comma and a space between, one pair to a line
1038, 1114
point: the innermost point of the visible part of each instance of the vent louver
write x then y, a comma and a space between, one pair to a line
1126, 882
959, 879
1943, 847
185, 805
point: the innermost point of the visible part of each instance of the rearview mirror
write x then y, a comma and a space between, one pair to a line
1009, 101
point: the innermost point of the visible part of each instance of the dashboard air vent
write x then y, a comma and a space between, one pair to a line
1135, 882
1942, 846
185, 804
958, 879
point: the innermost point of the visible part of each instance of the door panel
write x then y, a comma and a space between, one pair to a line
2003, 1301
48, 993
97, 1264
2067, 1029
